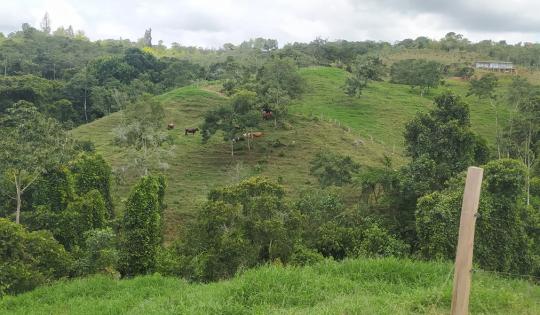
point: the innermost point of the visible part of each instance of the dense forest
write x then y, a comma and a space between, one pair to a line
64, 216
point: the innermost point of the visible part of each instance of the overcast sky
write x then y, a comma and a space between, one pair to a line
209, 23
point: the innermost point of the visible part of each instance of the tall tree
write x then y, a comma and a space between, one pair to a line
147, 39
484, 88
29, 144
46, 23
142, 226
278, 83
235, 119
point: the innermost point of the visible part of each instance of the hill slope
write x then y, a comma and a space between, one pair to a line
383, 286
364, 128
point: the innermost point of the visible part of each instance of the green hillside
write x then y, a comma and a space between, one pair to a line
384, 108
378, 286
365, 128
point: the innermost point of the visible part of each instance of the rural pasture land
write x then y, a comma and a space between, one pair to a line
362, 286
365, 128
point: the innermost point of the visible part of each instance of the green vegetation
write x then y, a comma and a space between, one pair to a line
317, 165
364, 286
380, 114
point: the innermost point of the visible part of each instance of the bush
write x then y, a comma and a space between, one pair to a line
91, 171
425, 74
377, 242
142, 226
303, 255
100, 253
29, 259
333, 169
240, 226
503, 242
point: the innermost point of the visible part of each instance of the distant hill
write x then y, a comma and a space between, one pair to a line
365, 128
366, 286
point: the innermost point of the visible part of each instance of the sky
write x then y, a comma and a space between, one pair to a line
210, 24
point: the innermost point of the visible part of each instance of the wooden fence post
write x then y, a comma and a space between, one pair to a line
464, 253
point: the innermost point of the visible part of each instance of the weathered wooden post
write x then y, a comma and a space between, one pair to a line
464, 253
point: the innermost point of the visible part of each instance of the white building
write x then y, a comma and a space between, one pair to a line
501, 66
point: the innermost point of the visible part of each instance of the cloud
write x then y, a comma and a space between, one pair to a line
211, 23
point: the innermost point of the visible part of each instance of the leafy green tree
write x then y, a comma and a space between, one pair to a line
333, 169
503, 242
100, 252
484, 88
141, 130
234, 120
364, 70
141, 227
240, 226
278, 82
421, 73
443, 136
79, 88
29, 259
29, 144
92, 172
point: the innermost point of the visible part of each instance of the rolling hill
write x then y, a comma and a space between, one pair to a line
365, 128
362, 286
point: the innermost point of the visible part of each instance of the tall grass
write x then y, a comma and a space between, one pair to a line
360, 286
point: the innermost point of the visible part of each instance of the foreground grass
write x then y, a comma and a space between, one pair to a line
377, 286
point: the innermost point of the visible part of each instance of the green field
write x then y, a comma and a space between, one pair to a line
377, 286
365, 128
384, 108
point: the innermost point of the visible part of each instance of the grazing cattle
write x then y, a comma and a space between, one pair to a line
266, 114
170, 126
238, 139
252, 135
191, 130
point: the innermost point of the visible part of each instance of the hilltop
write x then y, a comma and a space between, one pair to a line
365, 128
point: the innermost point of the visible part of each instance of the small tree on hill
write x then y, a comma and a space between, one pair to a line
421, 73
278, 82
234, 120
364, 70
333, 169
142, 226
142, 132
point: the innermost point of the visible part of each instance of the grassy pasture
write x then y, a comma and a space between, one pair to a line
362, 286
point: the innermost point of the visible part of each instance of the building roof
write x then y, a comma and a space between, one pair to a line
493, 61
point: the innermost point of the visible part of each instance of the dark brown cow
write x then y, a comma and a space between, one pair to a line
170, 126
191, 130
267, 114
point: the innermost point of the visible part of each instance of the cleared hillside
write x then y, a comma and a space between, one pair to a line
378, 286
365, 128
383, 109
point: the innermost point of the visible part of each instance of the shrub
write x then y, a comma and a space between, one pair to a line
303, 255
100, 253
333, 169
239, 226
29, 259
91, 171
503, 242
378, 242
142, 226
